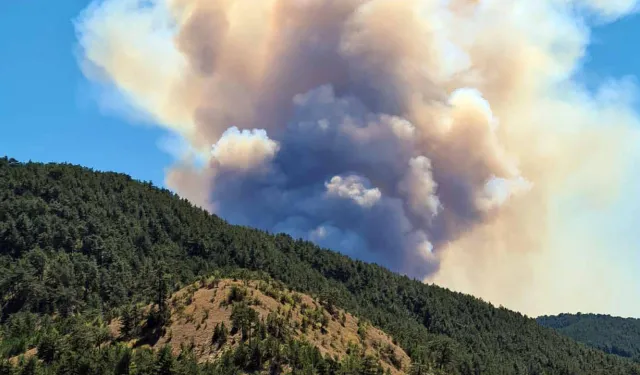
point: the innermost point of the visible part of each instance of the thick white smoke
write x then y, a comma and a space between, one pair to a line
434, 137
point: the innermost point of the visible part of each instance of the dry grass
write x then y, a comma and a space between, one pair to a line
198, 308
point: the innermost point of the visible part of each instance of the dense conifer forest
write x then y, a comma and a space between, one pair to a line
79, 248
619, 336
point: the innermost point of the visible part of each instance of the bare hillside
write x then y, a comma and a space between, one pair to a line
198, 309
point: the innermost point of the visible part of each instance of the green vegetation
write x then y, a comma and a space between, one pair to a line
59, 354
619, 336
78, 247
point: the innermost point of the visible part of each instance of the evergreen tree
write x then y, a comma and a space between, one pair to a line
220, 334
49, 347
244, 319
165, 362
129, 321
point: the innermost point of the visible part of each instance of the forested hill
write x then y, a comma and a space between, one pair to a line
77, 243
620, 336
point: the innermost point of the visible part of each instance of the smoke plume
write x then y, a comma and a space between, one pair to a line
438, 138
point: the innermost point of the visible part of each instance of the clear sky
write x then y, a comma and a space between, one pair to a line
48, 111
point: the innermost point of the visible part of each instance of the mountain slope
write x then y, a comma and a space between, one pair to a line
619, 336
240, 321
77, 241
200, 307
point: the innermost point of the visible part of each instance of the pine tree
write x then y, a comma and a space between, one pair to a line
244, 318
130, 318
49, 347
220, 334
161, 301
165, 363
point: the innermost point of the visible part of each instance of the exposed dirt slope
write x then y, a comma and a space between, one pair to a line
198, 308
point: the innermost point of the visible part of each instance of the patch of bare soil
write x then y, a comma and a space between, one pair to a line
198, 308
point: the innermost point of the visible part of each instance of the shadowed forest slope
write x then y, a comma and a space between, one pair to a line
79, 243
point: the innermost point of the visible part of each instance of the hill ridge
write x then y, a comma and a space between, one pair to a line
611, 334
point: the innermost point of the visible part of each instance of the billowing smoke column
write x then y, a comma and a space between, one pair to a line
433, 137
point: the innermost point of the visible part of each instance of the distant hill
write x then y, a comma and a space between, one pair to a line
619, 336
83, 251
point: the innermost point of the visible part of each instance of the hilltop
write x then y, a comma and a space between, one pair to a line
78, 248
198, 309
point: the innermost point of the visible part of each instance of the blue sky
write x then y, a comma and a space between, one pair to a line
47, 109
49, 113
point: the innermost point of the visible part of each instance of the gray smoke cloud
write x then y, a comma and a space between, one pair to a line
429, 136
